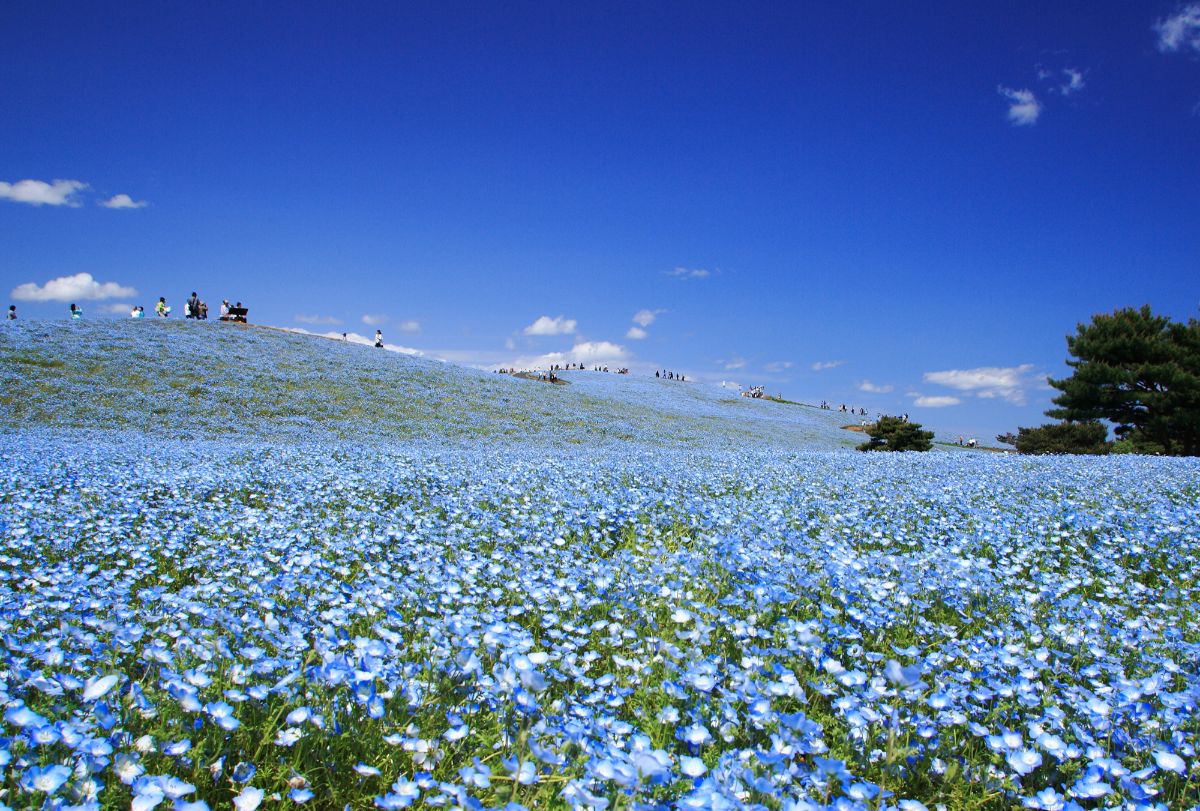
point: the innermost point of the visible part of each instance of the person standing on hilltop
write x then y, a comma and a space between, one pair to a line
161, 309
76, 312
192, 308
12, 312
379, 339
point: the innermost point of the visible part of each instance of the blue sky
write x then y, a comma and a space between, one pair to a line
899, 206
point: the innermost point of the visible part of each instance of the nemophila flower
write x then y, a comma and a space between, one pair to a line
1046, 800
95, 688
1169, 761
288, 736
46, 779
366, 770
1023, 761
692, 766
300, 795
243, 772
694, 734
248, 799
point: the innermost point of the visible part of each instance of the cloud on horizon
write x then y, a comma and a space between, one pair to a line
778, 365
355, 338
822, 365
411, 327
41, 193
1180, 30
1004, 382
732, 363
1023, 108
122, 201
942, 401
545, 325
872, 388
80, 287
586, 352
374, 320
318, 320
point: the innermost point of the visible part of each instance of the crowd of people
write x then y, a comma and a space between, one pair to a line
862, 412
193, 308
665, 375
756, 392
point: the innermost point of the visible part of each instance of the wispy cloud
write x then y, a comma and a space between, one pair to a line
410, 326
689, 273
117, 308
644, 318
874, 388
374, 320
1023, 107
1180, 31
778, 365
1006, 382
732, 363
636, 333
122, 201
1073, 82
41, 193
942, 401
545, 325
318, 320
80, 287
822, 365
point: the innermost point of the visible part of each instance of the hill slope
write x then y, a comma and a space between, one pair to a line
189, 379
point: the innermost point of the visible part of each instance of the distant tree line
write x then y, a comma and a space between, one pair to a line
1138, 371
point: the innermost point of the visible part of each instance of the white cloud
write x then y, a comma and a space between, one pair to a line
644, 318
545, 325
1182, 30
636, 333
115, 309
732, 363
1023, 108
318, 320
80, 287
41, 193
374, 320
411, 327
355, 338
123, 201
778, 365
874, 388
1006, 382
689, 273
589, 353
935, 402
1074, 82
822, 365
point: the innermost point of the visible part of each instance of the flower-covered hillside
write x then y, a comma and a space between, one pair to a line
208, 379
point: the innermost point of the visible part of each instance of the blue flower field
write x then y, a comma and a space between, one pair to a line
247, 569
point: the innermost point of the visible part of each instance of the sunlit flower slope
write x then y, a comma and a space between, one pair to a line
254, 614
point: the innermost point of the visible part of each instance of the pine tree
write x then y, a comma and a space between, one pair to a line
895, 434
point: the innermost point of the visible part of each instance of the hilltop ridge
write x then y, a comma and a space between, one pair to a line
208, 380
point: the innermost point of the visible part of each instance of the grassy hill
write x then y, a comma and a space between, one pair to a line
208, 380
